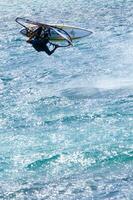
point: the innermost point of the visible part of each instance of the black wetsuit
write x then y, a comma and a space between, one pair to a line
40, 44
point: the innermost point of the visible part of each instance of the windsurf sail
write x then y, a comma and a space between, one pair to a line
62, 34
23, 22
31, 26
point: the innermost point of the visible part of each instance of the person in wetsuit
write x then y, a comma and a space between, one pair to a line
39, 42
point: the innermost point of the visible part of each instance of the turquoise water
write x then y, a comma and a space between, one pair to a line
66, 121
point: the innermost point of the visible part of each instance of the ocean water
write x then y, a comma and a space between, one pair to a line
66, 121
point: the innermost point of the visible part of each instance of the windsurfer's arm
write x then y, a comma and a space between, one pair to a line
35, 33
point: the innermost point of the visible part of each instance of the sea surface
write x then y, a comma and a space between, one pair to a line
66, 120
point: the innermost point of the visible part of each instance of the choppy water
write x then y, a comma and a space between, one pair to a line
66, 121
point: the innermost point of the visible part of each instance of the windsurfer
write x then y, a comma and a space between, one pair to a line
40, 41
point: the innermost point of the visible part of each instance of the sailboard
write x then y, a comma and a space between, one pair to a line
58, 32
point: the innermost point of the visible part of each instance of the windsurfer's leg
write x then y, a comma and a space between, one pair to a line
49, 52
